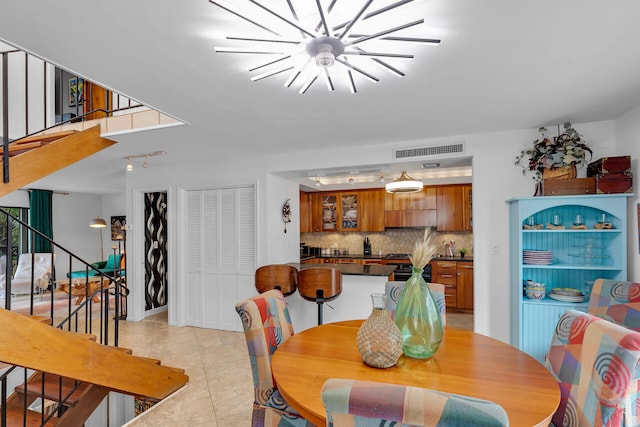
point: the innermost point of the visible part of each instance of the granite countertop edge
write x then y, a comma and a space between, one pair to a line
353, 269
382, 257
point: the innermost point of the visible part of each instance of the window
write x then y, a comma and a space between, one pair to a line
19, 236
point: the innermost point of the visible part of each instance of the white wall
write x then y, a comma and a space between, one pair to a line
495, 179
627, 137
71, 216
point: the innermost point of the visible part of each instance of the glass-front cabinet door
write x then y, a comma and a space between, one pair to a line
329, 212
349, 211
339, 212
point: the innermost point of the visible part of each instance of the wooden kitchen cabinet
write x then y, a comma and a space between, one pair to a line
457, 277
465, 285
311, 214
411, 209
305, 212
425, 199
454, 207
467, 203
372, 210
338, 211
445, 273
414, 218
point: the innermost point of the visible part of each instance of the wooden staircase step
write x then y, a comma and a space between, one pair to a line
123, 349
15, 149
148, 359
42, 319
54, 388
15, 418
47, 137
35, 164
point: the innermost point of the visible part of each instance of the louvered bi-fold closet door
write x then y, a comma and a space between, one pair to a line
220, 232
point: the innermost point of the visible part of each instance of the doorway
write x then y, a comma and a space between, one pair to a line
155, 250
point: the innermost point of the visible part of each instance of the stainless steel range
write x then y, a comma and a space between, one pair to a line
403, 267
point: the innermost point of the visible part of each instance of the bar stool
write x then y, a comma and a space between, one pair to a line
319, 284
283, 277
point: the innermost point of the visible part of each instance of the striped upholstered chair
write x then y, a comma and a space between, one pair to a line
352, 403
266, 324
394, 289
596, 364
616, 301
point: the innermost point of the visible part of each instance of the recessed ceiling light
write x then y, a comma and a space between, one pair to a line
430, 165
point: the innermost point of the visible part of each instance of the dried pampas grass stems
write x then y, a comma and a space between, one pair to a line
424, 249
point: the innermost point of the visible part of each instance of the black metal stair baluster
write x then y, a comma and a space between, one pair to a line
5, 117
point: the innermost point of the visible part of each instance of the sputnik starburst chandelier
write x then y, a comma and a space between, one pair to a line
305, 41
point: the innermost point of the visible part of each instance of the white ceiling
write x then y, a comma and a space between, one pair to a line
502, 65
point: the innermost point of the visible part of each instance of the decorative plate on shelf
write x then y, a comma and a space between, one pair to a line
537, 257
566, 295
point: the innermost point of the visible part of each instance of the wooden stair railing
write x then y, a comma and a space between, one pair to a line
73, 368
37, 156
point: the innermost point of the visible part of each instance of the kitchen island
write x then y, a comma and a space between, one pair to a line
358, 283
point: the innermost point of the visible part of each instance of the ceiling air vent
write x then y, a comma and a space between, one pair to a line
426, 152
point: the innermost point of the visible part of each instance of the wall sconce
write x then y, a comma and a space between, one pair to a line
146, 159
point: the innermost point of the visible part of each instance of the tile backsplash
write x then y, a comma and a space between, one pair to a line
390, 241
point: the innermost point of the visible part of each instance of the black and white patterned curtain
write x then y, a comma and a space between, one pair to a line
155, 249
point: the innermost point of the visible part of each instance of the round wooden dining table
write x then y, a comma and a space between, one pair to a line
466, 363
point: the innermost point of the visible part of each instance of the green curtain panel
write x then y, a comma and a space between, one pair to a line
40, 218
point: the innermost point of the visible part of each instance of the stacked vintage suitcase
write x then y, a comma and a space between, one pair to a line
612, 175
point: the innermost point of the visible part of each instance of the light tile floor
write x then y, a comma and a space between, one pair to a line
220, 388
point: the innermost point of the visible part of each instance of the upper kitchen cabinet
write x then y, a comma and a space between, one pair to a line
305, 212
410, 209
339, 211
372, 210
310, 216
361, 210
454, 207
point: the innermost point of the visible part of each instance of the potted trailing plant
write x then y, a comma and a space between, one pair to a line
555, 157
462, 251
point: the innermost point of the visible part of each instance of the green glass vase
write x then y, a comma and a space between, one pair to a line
418, 318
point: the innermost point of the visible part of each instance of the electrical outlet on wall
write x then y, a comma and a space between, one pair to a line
495, 249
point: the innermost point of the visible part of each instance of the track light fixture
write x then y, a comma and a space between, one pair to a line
139, 156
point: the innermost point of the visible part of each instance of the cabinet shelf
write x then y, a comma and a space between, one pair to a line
569, 231
572, 267
575, 305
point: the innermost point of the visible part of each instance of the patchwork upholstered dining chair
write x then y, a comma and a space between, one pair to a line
353, 403
616, 301
394, 289
266, 323
596, 364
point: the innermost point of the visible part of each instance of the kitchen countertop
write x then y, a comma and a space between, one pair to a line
360, 256
353, 269
455, 258
349, 256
